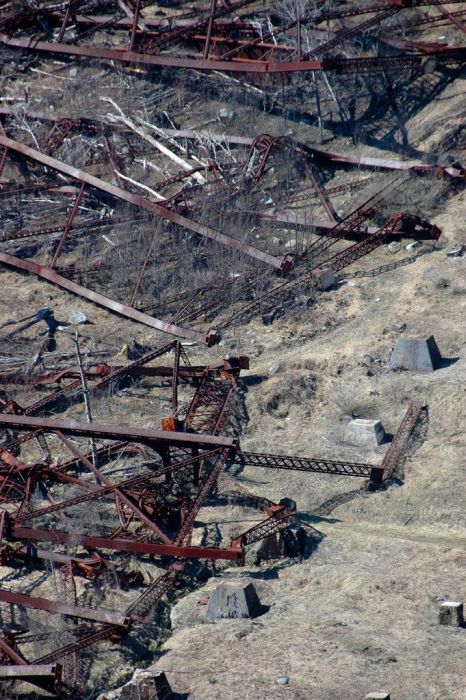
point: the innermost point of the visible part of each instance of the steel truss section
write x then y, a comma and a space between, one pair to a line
396, 452
280, 520
305, 464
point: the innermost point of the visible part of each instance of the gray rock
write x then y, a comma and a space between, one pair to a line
283, 680
413, 245
226, 114
455, 252
394, 247
76, 317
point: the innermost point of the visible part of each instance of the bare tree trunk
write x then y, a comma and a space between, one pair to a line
87, 402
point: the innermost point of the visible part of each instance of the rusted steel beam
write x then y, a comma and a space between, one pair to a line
155, 438
288, 220
142, 268
282, 264
127, 545
134, 26
10, 653
175, 378
68, 226
133, 314
213, 7
398, 445
450, 55
103, 370
96, 615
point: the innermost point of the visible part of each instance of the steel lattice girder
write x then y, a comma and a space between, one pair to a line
400, 440
311, 152
126, 545
447, 56
96, 615
305, 464
278, 521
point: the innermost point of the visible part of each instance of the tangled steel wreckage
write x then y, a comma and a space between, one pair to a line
106, 194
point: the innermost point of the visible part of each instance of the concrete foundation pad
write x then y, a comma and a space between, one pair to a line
326, 280
233, 601
415, 353
451, 613
364, 433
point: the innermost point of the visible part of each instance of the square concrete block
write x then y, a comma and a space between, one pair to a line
451, 613
364, 433
415, 353
326, 280
377, 695
233, 601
